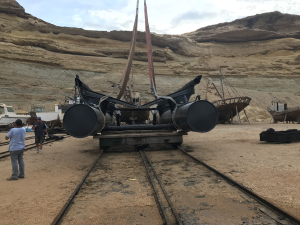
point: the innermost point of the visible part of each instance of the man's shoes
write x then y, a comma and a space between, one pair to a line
21, 177
40, 151
11, 178
37, 150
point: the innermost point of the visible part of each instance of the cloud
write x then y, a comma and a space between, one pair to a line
99, 26
192, 15
165, 16
77, 18
104, 20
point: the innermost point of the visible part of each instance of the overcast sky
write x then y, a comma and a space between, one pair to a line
165, 16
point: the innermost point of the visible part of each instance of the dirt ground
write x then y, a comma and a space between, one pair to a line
201, 197
271, 170
49, 180
116, 192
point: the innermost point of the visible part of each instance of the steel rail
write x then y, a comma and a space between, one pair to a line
28, 147
63, 212
247, 191
1, 153
7, 142
164, 191
159, 204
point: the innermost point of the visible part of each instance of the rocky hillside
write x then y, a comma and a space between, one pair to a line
260, 27
259, 56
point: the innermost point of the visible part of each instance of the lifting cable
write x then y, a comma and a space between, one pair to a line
126, 72
151, 69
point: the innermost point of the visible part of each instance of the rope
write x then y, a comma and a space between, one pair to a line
227, 89
231, 86
109, 95
132, 43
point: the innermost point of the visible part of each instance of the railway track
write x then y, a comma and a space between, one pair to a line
186, 191
167, 204
58, 219
31, 146
7, 142
280, 214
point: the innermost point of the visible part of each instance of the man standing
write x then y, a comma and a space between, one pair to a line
16, 148
40, 130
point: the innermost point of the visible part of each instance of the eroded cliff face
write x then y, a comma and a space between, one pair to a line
259, 27
12, 7
39, 60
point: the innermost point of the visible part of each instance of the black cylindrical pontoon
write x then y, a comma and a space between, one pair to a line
199, 116
82, 120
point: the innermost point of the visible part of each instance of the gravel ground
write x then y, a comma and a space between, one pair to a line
49, 180
271, 170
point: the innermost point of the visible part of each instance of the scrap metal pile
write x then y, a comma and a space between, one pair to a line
287, 136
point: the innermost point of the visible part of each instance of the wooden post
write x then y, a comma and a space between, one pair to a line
246, 116
237, 115
206, 89
284, 118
